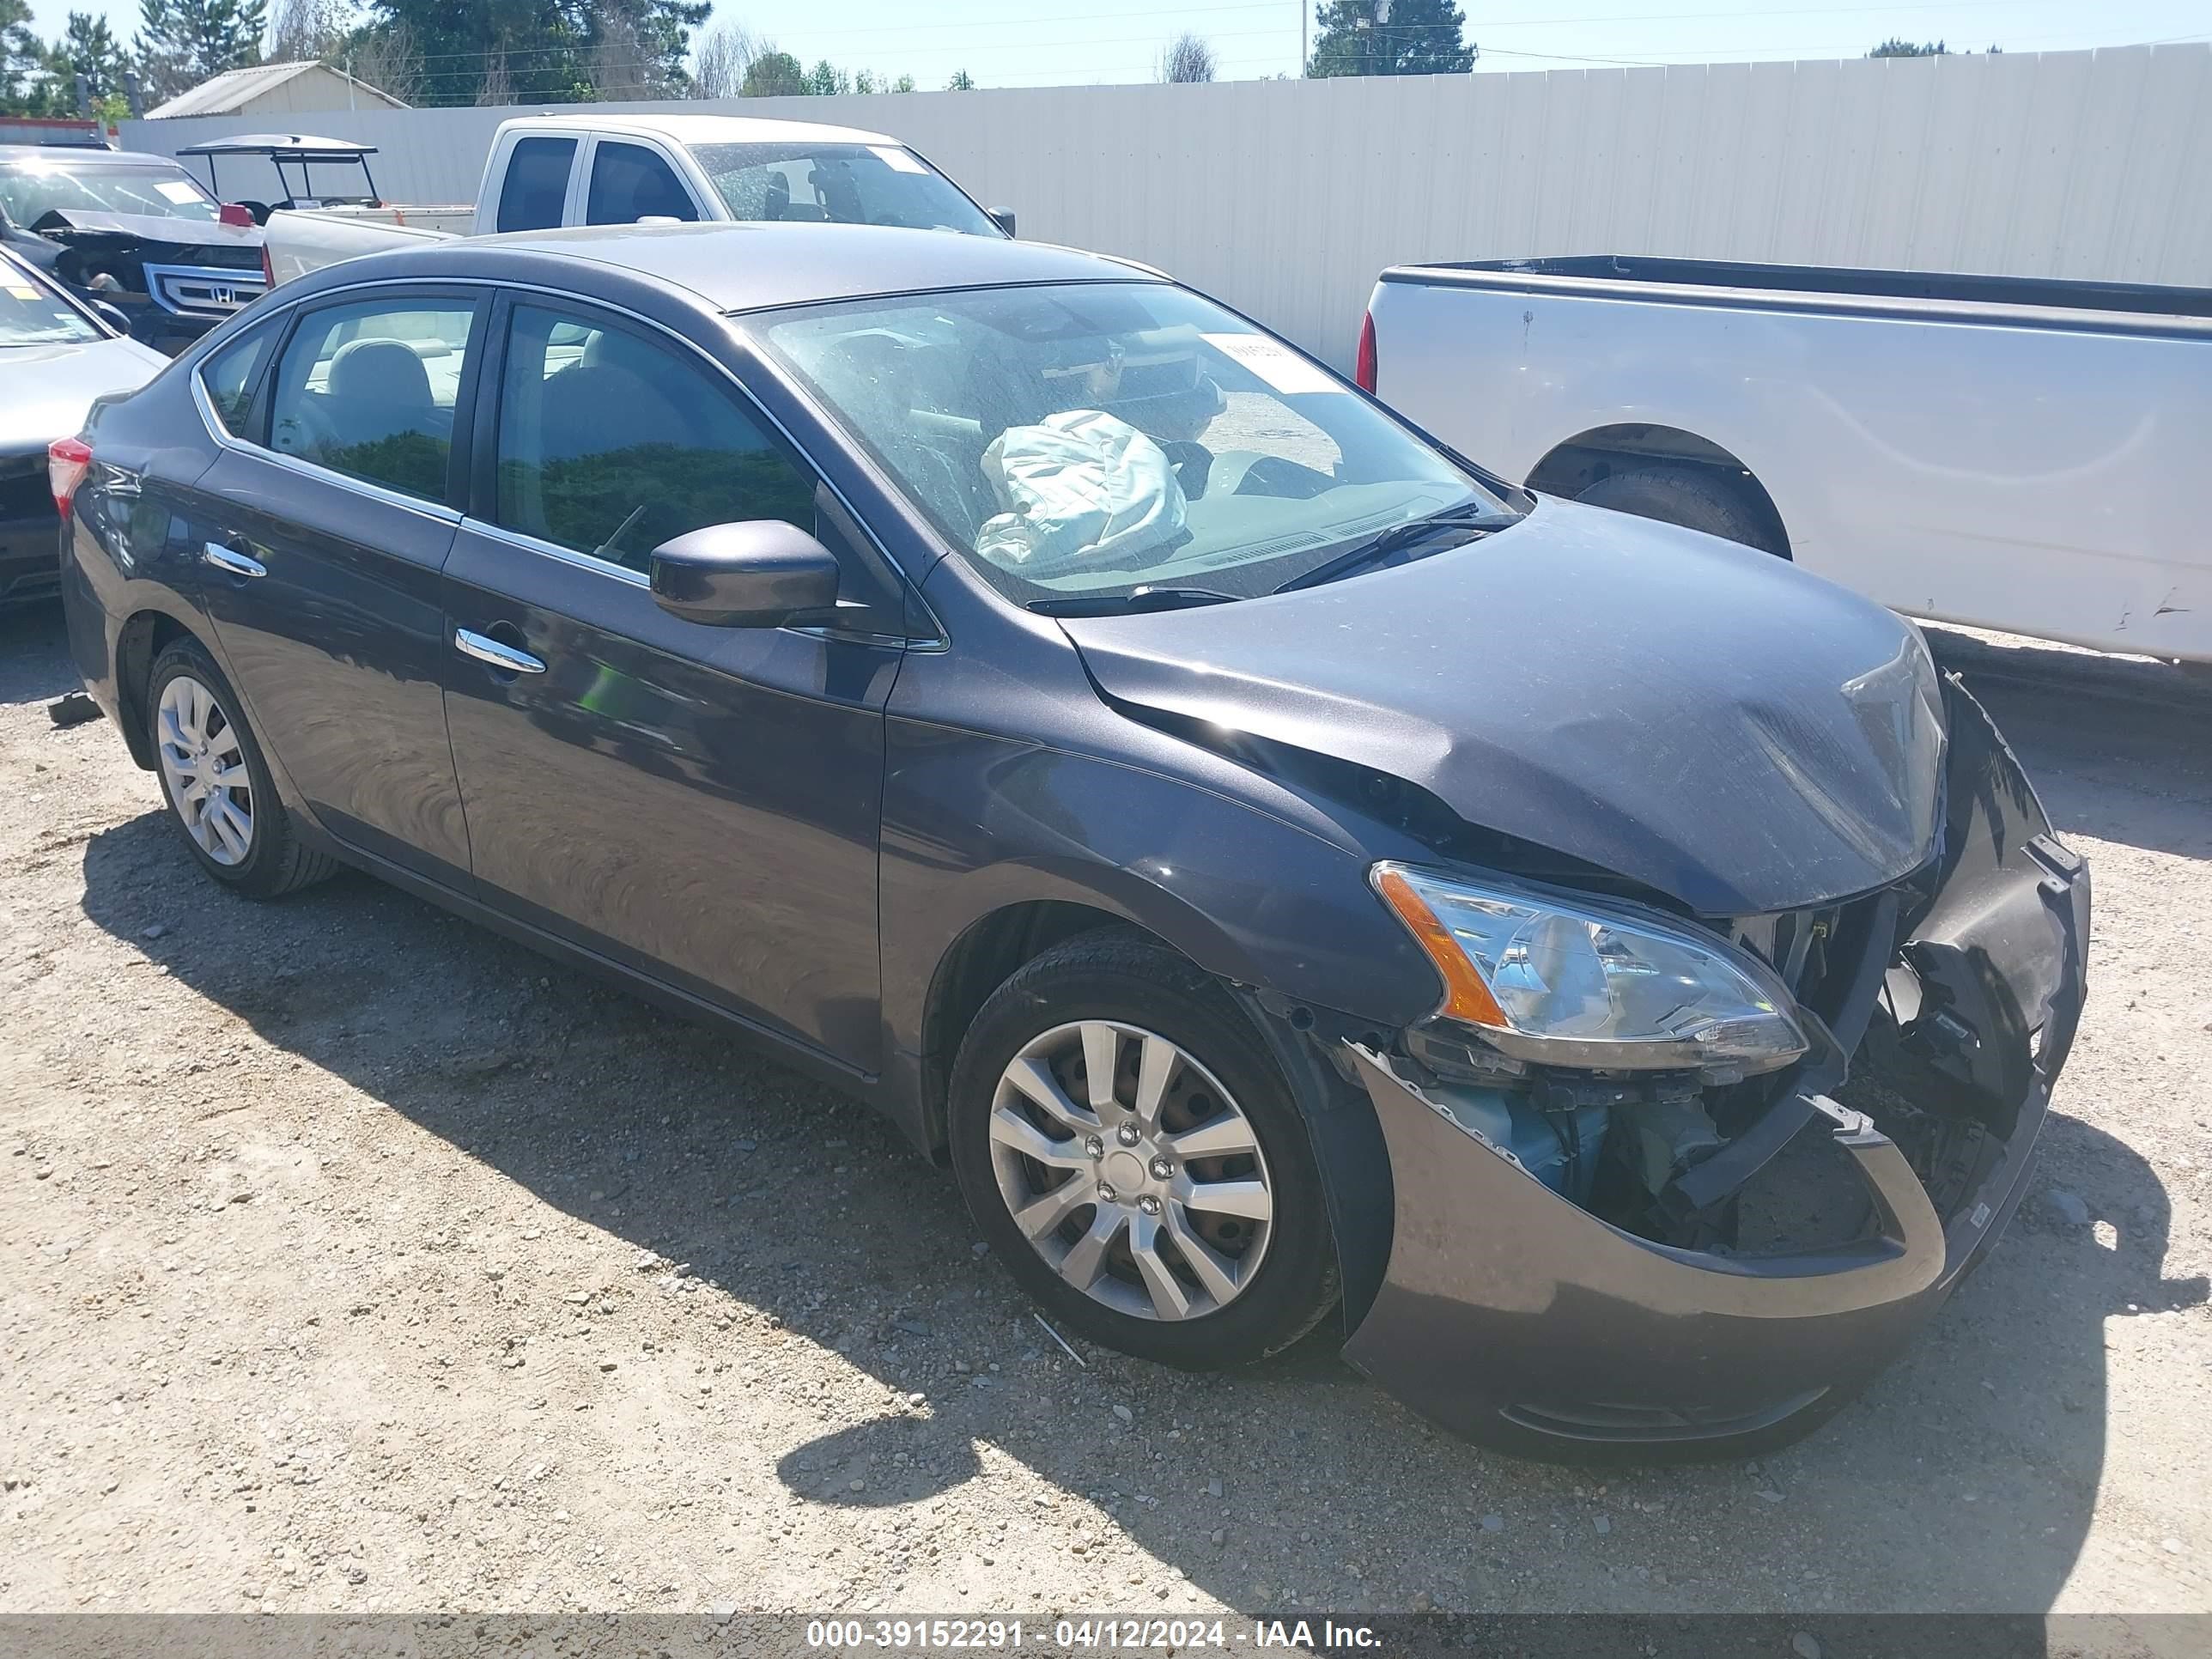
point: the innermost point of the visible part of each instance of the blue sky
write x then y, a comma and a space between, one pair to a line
1073, 42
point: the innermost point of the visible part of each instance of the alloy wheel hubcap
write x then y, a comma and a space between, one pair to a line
1131, 1171
206, 770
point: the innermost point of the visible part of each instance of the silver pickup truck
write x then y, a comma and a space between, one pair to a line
548, 170
2007, 452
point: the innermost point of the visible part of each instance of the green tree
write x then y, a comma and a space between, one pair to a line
28, 84
961, 82
773, 75
182, 43
1894, 47
89, 50
1390, 37
304, 31
826, 80
540, 51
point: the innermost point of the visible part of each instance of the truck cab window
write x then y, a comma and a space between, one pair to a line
537, 183
629, 183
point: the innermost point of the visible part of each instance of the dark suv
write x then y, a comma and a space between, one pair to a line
137, 232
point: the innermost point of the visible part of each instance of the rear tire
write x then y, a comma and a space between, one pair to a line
1694, 497
1180, 1278
217, 782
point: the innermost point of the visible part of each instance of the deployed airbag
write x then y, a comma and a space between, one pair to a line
1080, 485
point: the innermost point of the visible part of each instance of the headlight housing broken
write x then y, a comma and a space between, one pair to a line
1563, 982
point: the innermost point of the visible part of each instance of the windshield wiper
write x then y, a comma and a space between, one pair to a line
1379, 549
1136, 600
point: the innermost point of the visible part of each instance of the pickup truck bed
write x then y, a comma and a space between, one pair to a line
2020, 453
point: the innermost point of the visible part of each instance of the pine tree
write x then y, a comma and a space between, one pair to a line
773, 75
90, 50
550, 50
182, 43
28, 85
1390, 37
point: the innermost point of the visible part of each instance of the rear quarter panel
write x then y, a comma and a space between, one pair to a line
2039, 479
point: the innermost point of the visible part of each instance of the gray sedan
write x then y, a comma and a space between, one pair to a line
1293, 878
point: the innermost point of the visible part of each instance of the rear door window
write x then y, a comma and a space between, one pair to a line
368, 389
630, 182
231, 375
536, 184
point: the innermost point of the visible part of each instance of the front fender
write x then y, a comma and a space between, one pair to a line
973, 823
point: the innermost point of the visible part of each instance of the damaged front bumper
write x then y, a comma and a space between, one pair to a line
1512, 1316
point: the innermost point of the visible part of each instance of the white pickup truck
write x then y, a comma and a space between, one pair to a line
551, 170
2003, 452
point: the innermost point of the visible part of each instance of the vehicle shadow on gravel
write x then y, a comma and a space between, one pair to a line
1965, 1479
34, 662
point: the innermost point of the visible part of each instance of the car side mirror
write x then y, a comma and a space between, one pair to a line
1002, 217
114, 316
760, 572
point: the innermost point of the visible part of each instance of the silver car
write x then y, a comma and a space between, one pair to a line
56, 354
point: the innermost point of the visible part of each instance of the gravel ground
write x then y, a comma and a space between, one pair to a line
353, 1258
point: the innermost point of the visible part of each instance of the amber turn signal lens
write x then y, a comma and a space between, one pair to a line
1466, 997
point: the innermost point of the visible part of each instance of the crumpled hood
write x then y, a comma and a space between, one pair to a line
1704, 718
45, 390
211, 239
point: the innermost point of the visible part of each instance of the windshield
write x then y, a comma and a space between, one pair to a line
29, 315
1083, 441
30, 193
839, 184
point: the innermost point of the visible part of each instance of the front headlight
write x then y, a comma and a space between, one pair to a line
1563, 982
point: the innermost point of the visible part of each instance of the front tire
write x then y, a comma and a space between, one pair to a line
1133, 1155
216, 783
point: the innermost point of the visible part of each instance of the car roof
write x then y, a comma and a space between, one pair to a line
705, 129
751, 267
78, 155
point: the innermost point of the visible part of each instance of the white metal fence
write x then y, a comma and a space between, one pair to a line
1285, 198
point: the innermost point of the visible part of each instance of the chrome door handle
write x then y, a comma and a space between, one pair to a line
498, 656
224, 558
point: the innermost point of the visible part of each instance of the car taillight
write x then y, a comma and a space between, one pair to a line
235, 212
1362, 370
68, 459
268, 270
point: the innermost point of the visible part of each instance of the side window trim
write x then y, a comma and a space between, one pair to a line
476, 294
580, 181
527, 543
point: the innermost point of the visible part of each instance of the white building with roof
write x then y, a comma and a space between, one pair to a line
276, 89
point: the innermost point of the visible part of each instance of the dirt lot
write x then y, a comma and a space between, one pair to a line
350, 1258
